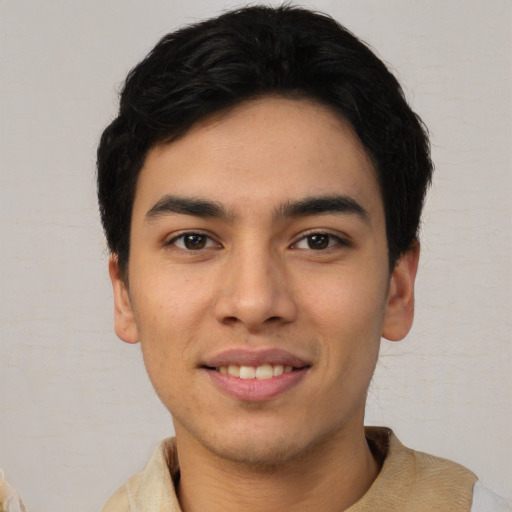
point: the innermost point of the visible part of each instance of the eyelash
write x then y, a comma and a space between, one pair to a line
209, 241
332, 241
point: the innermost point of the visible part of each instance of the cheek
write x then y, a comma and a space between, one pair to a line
349, 305
349, 317
169, 310
169, 303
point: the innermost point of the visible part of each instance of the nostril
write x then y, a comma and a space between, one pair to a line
230, 320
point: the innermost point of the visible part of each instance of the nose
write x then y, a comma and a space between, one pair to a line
255, 291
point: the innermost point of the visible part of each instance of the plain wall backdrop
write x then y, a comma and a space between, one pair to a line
77, 412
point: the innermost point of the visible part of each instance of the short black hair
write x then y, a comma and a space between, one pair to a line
252, 52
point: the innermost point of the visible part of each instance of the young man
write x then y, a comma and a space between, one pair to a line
261, 190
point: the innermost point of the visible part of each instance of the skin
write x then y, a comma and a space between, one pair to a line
257, 283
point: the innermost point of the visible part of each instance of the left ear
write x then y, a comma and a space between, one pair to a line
125, 324
400, 302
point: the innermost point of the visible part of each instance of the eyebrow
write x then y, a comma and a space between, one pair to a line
322, 205
198, 207
187, 206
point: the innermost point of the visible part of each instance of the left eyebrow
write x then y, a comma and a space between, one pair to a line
322, 205
170, 204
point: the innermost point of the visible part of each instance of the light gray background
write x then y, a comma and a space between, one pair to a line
77, 414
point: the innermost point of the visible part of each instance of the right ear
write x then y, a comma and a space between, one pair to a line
124, 319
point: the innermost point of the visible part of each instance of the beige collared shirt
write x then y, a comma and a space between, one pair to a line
408, 481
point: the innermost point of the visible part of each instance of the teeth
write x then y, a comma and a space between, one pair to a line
262, 372
247, 372
278, 370
233, 370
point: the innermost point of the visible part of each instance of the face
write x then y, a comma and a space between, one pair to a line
259, 284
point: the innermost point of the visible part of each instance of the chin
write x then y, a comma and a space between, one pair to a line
259, 445
251, 450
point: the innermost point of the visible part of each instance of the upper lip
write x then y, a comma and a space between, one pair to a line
244, 357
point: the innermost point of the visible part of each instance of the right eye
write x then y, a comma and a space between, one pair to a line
320, 241
192, 242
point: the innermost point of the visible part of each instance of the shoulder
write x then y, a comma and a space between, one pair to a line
124, 499
418, 468
153, 488
430, 482
485, 500
118, 502
414, 481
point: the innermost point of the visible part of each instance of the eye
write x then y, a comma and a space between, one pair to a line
319, 241
192, 242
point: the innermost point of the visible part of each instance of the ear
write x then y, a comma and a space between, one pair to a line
124, 319
400, 302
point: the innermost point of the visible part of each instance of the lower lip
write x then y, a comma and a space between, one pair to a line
256, 390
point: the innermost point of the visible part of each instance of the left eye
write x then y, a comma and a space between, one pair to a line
318, 241
193, 241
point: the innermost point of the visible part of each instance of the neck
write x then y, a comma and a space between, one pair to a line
331, 477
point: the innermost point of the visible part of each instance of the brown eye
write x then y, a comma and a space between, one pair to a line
318, 241
193, 242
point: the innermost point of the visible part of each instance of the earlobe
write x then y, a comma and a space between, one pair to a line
400, 301
124, 319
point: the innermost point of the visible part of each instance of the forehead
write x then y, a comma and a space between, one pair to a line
260, 153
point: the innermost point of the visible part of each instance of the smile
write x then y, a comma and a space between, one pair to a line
255, 375
261, 372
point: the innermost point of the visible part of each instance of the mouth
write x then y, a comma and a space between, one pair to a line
260, 372
255, 376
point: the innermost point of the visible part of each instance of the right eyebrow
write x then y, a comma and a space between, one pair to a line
340, 204
169, 204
